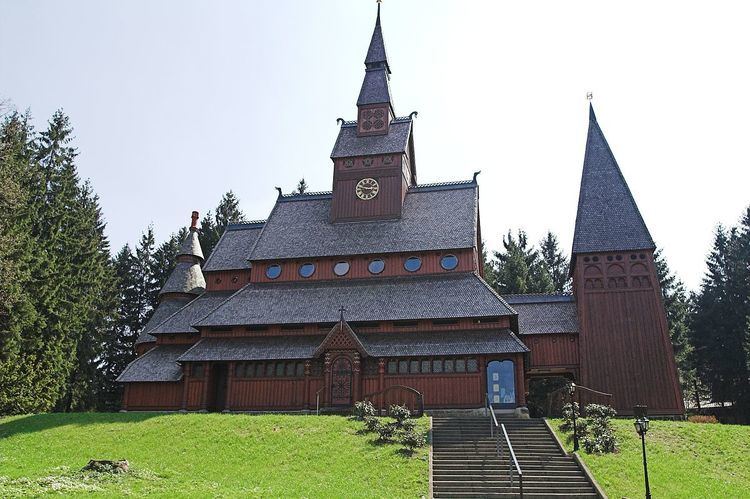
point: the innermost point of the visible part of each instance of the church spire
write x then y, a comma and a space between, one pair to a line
374, 102
187, 277
608, 218
376, 54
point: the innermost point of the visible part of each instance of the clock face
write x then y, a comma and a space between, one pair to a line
367, 188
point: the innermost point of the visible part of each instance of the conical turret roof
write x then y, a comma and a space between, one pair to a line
608, 218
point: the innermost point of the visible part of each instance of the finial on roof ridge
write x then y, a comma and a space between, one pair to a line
194, 221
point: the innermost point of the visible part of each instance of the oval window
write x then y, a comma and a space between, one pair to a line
273, 271
376, 266
306, 269
413, 263
449, 262
341, 268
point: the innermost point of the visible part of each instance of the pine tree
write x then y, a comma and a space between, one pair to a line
719, 320
148, 286
557, 263
212, 227
677, 308
165, 257
519, 268
20, 259
301, 187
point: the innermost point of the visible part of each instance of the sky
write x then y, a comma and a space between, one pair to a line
176, 102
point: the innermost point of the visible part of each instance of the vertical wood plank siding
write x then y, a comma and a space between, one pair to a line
624, 340
153, 396
552, 350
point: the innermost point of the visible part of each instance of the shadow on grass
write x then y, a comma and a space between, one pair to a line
40, 422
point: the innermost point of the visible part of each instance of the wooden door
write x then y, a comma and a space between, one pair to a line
217, 397
341, 382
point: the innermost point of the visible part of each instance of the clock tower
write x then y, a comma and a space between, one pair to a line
373, 158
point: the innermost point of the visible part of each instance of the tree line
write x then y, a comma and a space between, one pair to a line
70, 311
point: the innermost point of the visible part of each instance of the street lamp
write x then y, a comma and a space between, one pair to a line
572, 390
641, 427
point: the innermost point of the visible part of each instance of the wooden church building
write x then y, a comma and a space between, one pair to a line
339, 296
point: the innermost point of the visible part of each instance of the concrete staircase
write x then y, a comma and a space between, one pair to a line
465, 462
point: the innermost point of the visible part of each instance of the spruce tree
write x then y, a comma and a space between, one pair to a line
212, 227
301, 187
677, 308
519, 268
557, 263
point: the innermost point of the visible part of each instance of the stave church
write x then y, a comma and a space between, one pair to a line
375, 291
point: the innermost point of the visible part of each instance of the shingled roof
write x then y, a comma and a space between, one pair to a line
185, 278
437, 217
442, 343
396, 141
545, 314
253, 348
158, 364
376, 54
181, 320
375, 88
163, 310
440, 296
191, 246
608, 218
376, 345
234, 247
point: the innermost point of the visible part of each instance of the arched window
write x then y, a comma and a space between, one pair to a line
501, 384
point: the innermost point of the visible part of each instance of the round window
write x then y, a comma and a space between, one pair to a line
306, 269
273, 271
376, 266
413, 263
449, 262
341, 268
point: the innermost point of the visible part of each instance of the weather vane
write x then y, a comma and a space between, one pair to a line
589, 95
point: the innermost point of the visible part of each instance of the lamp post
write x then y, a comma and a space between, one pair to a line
572, 389
641, 427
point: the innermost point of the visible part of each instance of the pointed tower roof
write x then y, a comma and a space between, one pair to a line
375, 87
608, 218
187, 277
376, 54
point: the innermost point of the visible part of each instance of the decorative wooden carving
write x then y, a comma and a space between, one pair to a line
341, 382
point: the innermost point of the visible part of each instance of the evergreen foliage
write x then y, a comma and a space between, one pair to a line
301, 187
519, 268
719, 321
557, 263
213, 226
61, 297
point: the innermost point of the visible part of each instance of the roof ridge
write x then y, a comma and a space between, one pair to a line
229, 297
306, 194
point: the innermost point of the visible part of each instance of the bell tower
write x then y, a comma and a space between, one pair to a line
373, 158
624, 340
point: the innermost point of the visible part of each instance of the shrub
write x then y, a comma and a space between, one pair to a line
363, 409
699, 418
413, 439
408, 425
567, 414
400, 413
602, 436
387, 431
371, 423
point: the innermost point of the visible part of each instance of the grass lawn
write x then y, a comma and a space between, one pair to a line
204, 455
686, 460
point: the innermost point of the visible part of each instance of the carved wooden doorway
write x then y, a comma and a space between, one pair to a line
341, 382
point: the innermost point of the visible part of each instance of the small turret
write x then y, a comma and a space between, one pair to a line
187, 277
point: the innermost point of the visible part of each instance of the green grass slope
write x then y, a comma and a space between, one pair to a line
685, 460
204, 455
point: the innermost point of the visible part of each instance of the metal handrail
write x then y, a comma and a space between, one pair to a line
317, 401
512, 461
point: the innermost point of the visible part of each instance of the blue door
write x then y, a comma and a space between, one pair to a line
501, 384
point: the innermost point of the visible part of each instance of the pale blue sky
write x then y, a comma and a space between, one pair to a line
176, 102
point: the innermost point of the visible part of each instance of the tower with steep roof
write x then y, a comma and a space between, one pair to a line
373, 157
624, 340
